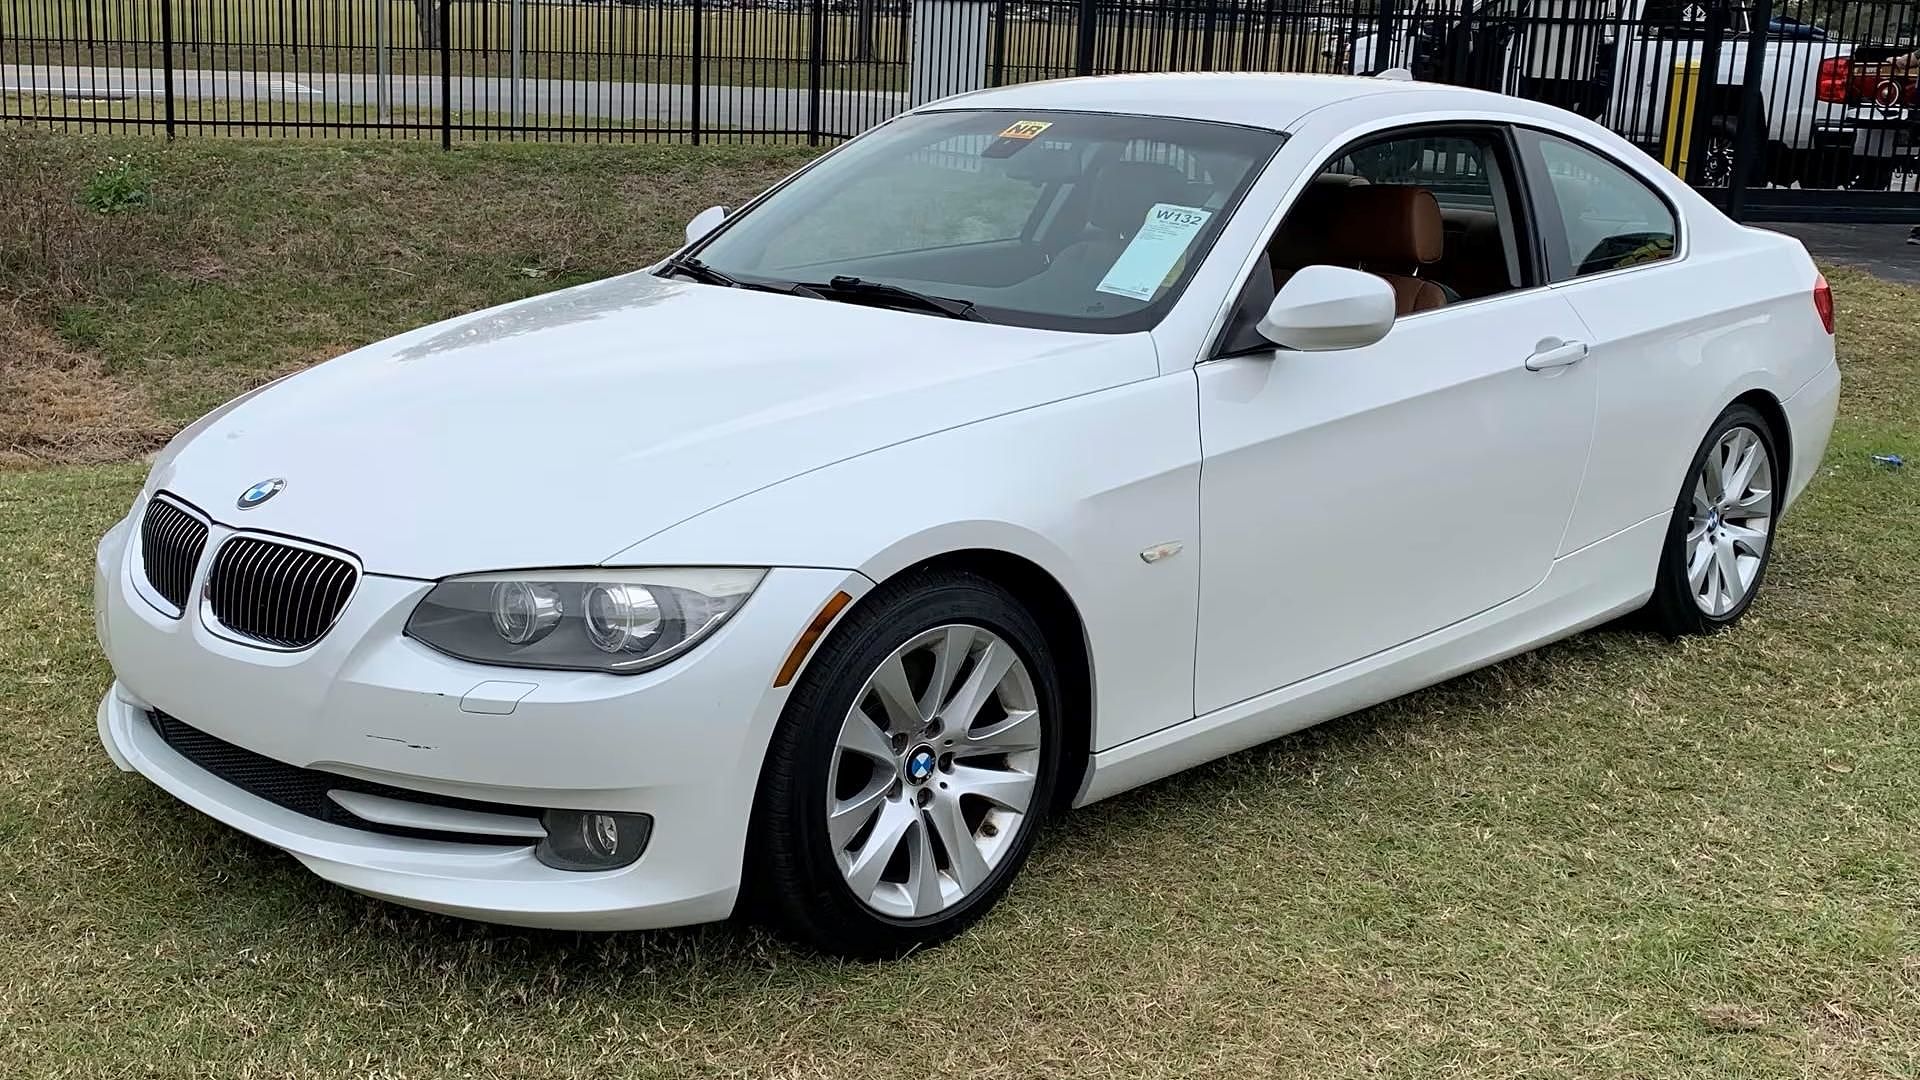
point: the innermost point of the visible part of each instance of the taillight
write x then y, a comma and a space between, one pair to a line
1833, 81
1823, 301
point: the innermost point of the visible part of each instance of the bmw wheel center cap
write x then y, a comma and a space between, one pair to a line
920, 765
260, 492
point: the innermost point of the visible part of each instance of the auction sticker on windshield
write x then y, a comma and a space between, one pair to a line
1154, 251
1026, 129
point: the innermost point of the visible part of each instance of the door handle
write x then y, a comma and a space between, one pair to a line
1559, 356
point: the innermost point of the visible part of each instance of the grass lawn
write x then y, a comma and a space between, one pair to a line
1615, 857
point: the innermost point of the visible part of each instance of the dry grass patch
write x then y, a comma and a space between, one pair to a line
59, 405
244, 260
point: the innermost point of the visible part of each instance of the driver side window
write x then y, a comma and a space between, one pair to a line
1429, 210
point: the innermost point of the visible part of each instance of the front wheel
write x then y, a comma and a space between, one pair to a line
1721, 533
910, 769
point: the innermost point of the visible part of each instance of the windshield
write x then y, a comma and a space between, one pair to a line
1058, 220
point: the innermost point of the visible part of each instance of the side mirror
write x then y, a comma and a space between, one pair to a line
705, 222
1323, 308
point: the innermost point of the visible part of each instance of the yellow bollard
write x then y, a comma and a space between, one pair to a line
1682, 92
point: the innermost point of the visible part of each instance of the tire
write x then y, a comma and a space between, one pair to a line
1707, 523
825, 884
1716, 171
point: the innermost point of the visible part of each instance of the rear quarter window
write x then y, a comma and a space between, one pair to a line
1595, 215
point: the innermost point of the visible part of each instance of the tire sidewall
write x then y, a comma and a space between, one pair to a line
809, 728
1673, 594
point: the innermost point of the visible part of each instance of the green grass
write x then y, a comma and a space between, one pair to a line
1615, 857
256, 257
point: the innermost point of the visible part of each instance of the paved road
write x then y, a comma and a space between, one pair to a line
1881, 250
767, 108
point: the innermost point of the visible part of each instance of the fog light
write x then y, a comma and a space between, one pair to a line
592, 840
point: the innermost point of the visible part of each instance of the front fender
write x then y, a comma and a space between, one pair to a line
1080, 488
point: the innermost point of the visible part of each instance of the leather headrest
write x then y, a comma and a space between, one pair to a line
1390, 223
1304, 238
1124, 191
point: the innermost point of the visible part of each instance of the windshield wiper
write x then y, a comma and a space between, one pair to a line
847, 286
699, 271
689, 266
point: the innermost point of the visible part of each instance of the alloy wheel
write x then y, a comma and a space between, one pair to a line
933, 771
1717, 170
1733, 500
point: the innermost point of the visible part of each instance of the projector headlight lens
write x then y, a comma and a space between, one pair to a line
618, 621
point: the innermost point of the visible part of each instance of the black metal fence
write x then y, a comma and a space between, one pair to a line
1787, 108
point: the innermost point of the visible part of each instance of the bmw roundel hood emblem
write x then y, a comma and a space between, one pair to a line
260, 492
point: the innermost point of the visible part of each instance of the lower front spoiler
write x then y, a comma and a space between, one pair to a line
492, 884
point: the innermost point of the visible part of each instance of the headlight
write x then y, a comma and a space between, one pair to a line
619, 621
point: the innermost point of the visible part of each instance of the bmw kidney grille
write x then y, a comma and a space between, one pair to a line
171, 541
259, 590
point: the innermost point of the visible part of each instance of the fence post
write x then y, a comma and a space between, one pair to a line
1206, 43
1383, 44
1083, 40
698, 94
1706, 92
446, 74
382, 91
816, 46
166, 50
998, 15
517, 14
1749, 136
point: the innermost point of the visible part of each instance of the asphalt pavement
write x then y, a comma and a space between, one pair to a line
1881, 250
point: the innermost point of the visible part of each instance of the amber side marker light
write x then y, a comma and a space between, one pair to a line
814, 629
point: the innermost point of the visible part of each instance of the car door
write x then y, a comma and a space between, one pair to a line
1354, 500
1612, 246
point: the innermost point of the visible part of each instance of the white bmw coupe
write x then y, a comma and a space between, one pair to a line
1039, 443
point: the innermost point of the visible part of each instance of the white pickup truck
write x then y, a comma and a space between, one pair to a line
1615, 61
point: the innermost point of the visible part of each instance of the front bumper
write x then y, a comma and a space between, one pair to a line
683, 744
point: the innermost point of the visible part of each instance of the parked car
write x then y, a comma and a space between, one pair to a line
1786, 26
1035, 445
1882, 100
1616, 62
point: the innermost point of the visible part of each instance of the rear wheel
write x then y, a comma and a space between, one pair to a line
1721, 533
1716, 162
910, 769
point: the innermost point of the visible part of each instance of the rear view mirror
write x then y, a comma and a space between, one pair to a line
705, 222
1323, 308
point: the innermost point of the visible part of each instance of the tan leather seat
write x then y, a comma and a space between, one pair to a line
1392, 231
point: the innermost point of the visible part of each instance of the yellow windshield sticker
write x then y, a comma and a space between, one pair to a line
1026, 129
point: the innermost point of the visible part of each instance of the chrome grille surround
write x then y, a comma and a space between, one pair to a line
173, 538
276, 593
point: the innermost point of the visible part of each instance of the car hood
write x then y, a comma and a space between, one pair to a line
563, 429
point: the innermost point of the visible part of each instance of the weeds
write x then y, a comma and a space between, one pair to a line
122, 184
